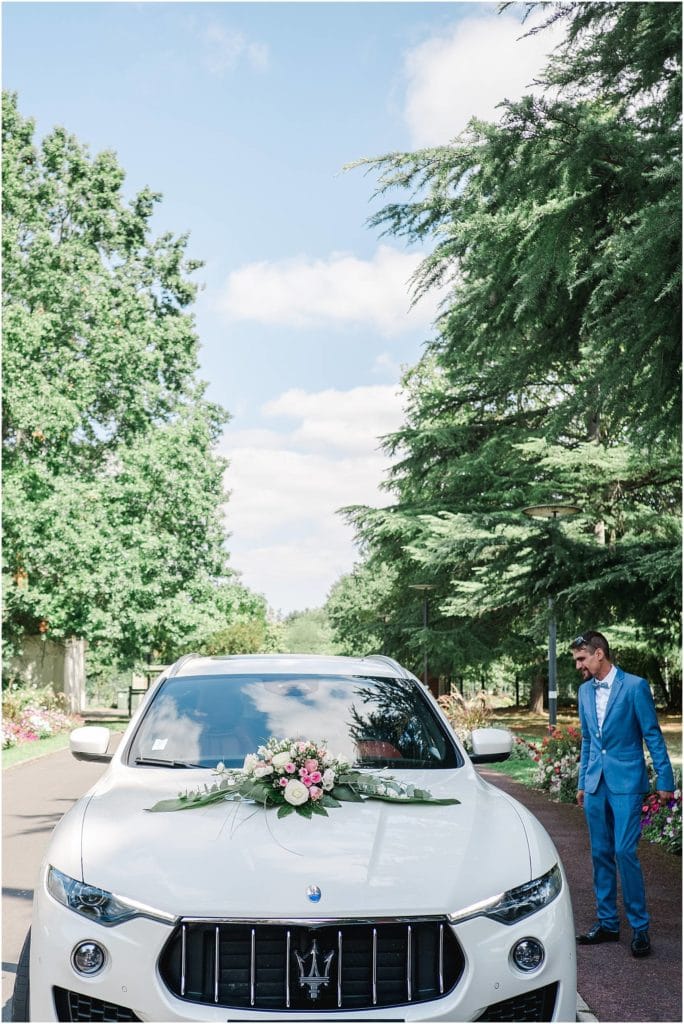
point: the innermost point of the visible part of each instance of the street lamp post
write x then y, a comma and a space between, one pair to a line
425, 588
552, 512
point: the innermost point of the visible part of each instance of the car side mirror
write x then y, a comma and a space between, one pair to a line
90, 743
491, 745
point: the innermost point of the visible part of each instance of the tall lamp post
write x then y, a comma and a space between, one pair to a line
425, 588
554, 513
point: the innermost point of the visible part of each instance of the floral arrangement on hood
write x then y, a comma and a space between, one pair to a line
298, 776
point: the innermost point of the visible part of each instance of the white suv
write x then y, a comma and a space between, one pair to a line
233, 911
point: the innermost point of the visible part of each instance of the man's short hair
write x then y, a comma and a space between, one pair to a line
593, 640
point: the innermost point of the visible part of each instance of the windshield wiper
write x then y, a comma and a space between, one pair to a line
161, 762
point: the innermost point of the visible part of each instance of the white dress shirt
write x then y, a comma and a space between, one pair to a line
603, 694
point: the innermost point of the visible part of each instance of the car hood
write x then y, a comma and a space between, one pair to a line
235, 859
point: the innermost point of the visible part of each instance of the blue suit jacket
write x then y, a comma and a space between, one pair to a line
616, 751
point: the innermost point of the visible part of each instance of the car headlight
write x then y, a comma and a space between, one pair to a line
517, 903
98, 904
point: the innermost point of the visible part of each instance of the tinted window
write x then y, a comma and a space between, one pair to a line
373, 722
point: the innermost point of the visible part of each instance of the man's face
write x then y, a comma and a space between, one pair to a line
587, 662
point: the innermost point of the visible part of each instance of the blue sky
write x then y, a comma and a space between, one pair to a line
243, 116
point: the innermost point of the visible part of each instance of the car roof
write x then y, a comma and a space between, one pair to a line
278, 664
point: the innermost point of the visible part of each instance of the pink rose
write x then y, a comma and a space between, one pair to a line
315, 777
302, 772
311, 765
283, 781
315, 793
290, 768
306, 779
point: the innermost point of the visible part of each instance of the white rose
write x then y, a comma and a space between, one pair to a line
263, 769
296, 793
328, 779
280, 760
251, 761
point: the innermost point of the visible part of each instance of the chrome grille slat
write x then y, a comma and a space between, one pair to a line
271, 968
339, 968
441, 959
409, 987
375, 967
184, 957
252, 969
217, 962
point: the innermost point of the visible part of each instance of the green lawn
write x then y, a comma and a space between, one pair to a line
34, 748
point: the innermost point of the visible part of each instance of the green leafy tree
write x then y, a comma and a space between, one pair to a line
242, 624
308, 632
554, 373
112, 491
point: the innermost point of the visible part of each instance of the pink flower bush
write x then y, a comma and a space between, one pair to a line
32, 723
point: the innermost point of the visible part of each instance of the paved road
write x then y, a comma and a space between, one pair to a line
35, 796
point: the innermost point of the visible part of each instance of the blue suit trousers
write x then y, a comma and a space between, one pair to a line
614, 821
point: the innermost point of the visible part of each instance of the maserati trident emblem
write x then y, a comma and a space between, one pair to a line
314, 980
314, 893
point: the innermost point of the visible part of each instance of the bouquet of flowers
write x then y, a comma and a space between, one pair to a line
298, 776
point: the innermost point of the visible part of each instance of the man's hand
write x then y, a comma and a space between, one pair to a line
580, 797
664, 795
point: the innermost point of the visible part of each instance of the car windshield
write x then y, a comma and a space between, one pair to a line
202, 720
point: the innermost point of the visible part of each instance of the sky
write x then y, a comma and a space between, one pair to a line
245, 116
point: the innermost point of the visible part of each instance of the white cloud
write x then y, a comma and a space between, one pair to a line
386, 366
349, 420
467, 72
287, 539
226, 48
342, 290
298, 574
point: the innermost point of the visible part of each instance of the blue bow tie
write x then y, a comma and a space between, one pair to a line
600, 685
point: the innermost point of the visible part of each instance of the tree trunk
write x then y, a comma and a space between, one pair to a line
536, 702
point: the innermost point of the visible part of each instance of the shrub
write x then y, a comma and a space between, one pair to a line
31, 714
662, 823
466, 715
558, 759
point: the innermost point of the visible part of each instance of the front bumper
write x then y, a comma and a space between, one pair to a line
131, 979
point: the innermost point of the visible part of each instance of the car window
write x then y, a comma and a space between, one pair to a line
371, 722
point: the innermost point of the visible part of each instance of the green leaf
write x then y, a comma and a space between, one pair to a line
346, 793
285, 809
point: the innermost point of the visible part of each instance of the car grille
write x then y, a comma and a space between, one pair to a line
74, 1006
301, 965
536, 1005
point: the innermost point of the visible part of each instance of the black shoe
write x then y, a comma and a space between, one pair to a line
641, 944
599, 934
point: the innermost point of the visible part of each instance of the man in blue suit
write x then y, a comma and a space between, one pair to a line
617, 715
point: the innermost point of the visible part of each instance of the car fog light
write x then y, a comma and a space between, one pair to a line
88, 958
528, 954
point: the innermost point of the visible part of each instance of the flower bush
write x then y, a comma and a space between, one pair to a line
662, 823
557, 757
31, 714
466, 715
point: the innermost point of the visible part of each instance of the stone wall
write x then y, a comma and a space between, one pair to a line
45, 662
